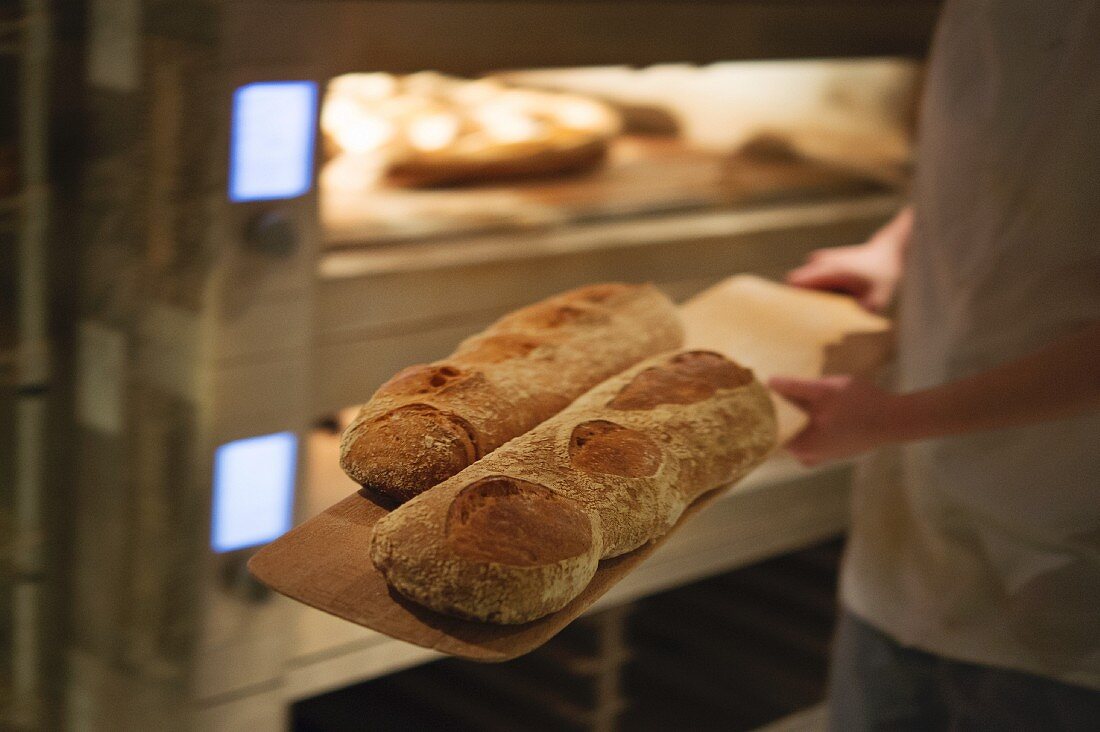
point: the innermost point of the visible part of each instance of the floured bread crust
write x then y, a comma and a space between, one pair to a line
519, 534
432, 420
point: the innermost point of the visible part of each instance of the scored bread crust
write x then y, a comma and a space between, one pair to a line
432, 420
519, 534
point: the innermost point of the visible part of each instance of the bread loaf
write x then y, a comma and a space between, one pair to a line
430, 421
518, 160
519, 534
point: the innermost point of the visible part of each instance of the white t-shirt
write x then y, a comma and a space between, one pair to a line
986, 548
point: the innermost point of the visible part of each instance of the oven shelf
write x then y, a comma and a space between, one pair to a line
643, 177
476, 249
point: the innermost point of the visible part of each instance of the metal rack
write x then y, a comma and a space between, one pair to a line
24, 370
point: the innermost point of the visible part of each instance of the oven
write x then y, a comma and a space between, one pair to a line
239, 294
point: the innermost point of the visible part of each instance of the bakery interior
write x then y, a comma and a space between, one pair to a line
180, 275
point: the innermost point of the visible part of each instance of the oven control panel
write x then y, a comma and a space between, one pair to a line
272, 140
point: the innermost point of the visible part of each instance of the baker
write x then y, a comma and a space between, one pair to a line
971, 582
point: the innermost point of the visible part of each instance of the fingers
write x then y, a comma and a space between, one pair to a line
796, 390
871, 303
876, 299
803, 447
859, 271
807, 395
805, 392
822, 277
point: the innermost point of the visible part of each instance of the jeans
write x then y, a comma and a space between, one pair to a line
877, 684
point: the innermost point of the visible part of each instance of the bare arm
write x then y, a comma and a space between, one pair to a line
849, 416
1061, 379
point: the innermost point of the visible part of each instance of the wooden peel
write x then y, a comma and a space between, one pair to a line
324, 561
778, 330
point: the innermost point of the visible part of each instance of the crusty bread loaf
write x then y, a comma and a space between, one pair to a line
431, 421
519, 534
510, 161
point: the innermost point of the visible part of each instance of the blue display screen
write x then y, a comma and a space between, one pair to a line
253, 490
271, 142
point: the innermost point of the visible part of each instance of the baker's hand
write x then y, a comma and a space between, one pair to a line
848, 416
868, 272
